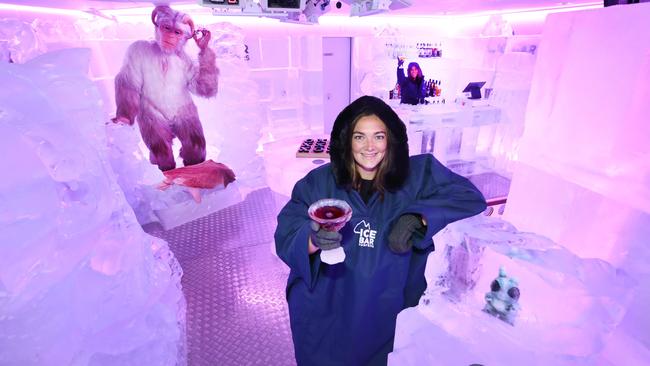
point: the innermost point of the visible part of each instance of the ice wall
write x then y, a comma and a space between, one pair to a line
287, 69
583, 177
80, 282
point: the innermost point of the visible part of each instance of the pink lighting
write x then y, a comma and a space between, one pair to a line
199, 13
559, 144
44, 10
521, 15
455, 22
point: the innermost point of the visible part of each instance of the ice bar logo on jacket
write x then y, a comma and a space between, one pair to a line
366, 234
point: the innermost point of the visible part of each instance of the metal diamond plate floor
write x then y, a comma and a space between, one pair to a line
236, 309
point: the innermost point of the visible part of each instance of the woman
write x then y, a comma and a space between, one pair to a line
411, 87
344, 314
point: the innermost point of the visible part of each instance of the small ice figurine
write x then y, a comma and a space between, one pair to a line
502, 300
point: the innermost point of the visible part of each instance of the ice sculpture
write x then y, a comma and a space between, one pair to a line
139, 180
21, 39
376, 65
228, 141
570, 310
80, 282
502, 300
497, 26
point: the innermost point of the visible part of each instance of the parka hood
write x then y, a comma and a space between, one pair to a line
341, 140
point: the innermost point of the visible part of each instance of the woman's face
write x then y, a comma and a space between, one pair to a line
413, 72
369, 142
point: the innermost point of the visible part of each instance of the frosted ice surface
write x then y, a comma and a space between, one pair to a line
5, 52
80, 282
139, 180
569, 305
179, 210
233, 121
136, 176
568, 108
583, 172
20, 38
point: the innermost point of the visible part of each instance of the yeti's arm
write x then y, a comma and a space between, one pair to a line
128, 82
204, 78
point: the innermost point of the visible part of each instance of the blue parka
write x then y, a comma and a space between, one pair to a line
345, 314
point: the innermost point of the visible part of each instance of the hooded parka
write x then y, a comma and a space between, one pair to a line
344, 314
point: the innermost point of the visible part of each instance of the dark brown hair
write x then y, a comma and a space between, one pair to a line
393, 169
384, 164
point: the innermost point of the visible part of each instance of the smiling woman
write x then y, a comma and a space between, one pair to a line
345, 313
368, 145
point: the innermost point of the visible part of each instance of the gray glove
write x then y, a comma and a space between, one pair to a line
324, 239
400, 62
400, 239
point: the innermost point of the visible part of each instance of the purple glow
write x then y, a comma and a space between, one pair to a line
203, 14
44, 10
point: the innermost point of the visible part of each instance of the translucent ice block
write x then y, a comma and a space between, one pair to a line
569, 305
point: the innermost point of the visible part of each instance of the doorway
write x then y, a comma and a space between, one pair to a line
336, 78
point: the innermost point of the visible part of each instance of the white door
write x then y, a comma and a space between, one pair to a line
336, 78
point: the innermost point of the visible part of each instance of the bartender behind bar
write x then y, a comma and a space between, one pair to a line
412, 88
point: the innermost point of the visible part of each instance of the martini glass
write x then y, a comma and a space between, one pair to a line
331, 214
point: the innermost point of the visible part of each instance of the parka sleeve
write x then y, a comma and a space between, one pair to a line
292, 236
443, 197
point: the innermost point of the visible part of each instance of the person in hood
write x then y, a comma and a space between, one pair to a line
344, 314
413, 86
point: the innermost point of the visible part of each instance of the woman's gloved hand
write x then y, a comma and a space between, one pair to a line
400, 62
400, 239
324, 239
